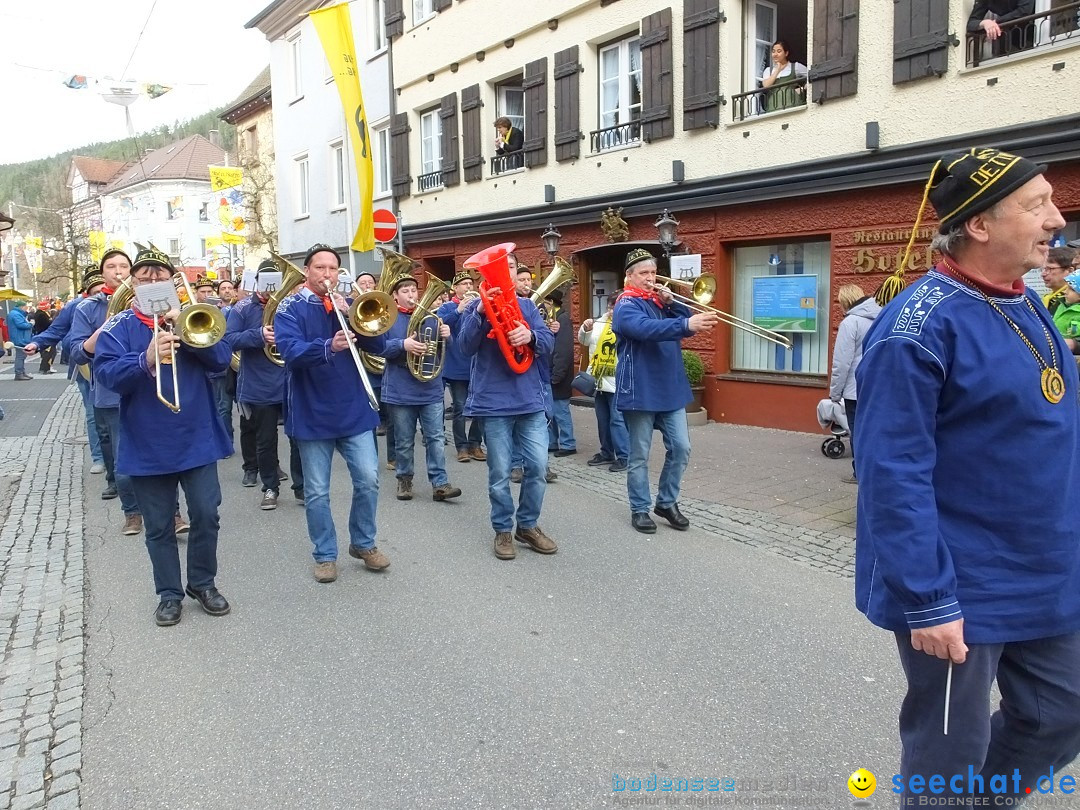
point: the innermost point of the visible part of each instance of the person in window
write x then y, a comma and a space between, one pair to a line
509, 143
783, 80
988, 16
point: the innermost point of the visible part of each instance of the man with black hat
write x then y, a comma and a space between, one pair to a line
651, 388
966, 389
456, 372
154, 446
329, 410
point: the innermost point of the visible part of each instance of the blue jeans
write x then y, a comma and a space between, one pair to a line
459, 391
108, 425
430, 417
20, 361
672, 426
614, 440
528, 432
223, 399
561, 428
157, 497
363, 463
91, 425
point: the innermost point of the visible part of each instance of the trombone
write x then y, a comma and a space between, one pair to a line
370, 315
198, 325
702, 291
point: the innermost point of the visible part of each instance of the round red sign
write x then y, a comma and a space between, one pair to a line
385, 224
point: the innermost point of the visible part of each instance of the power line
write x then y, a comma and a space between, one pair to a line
138, 40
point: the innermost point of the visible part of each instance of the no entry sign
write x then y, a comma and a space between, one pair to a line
385, 224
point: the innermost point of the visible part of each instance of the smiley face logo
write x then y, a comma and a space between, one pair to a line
862, 784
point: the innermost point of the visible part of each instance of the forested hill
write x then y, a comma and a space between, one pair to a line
27, 183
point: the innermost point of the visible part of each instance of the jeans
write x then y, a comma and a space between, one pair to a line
108, 425
265, 423
224, 402
614, 440
639, 426
157, 496
363, 463
430, 417
459, 391
387, 423
91, 425
561, 428
20, 361
849, 410
529, 433
296, 467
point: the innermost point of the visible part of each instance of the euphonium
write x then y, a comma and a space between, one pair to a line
503, 311
395, 265
562, 273
426, 325
292, 278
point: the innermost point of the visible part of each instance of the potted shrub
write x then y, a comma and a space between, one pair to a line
695, 373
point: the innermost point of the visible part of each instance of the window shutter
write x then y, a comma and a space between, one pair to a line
921, 39
568, 135
535, 86
701, 63
836, 48
400, 179
451, 169
657, 77
439, 5
395, 19
471, 139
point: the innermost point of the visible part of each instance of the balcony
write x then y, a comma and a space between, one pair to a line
1046, 28
429, 181
500, 164
616, 136
763, 100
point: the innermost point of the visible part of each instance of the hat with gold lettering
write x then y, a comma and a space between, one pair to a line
966, 183
637, 255
151, 257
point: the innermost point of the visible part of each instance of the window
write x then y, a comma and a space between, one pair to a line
204, 212
810, 354
421, 10
174, 248
620, 94
251, 142
338, 174
510, 102
430, 150
202, 248
766, 22
378, 26
301, 176
174, 208
296, 83
381, 161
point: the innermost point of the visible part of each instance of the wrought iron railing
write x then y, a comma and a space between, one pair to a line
781, 96
507, 163
611, 137
426, 182
1061, 24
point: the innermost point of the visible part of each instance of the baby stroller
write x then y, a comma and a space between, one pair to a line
831, 417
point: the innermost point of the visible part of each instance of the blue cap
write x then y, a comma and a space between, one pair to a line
1073, 280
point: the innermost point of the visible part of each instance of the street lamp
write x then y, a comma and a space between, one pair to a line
551, 238
667, 227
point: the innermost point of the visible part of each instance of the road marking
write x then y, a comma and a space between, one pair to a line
29, 399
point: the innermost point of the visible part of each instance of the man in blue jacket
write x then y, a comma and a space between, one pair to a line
651, 388
456, 373
511, 405
20, 329
152, 447
413, 401
969, 451
328, 409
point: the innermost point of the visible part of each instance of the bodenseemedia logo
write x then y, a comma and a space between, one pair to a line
669, 784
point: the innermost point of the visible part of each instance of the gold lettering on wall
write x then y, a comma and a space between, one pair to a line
886, 236
868, 260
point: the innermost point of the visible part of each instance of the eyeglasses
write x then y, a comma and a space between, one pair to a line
1055, 267
152, 272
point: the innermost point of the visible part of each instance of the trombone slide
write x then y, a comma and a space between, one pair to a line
353, 350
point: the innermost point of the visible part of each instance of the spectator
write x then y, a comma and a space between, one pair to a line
598, 338
1067, 316
509, 143
859, 312
561, 439
20, 328
42, 319
781, 80
1059, 262
987, 16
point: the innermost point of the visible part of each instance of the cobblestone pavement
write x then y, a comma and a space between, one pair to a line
41, 603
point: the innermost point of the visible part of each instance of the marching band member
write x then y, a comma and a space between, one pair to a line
456, 370
204, 289
204, 293
328, 409
510, 405
365, 282
413, 401
597, 337
226, 291
651, 388
152, 449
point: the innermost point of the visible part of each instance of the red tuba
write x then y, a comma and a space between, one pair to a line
503, 310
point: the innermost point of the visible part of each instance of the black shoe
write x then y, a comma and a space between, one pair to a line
269, 500
673, 516
599, 460
281, 475
251, 478
109, 493
22, 377
168, 613
643, 523
212, 602
298, 494
617, 466
564, 453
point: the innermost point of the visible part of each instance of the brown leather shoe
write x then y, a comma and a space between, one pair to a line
372, 557
445, 493
132, 525
404, 488
478, 454
326, 571
516, 475
180, 526
463, 456
536, 540
504, 546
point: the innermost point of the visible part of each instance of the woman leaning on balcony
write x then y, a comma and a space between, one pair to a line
783, 82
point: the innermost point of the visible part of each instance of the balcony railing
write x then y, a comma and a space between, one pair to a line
612, 137
507, 163
781, 96
426, 182
1061, 24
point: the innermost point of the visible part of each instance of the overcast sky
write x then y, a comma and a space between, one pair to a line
200, 47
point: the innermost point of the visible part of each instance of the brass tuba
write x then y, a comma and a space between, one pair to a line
395, 265
562, 273
292, 278
429, 365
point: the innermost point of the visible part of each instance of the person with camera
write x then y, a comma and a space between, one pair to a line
599, 339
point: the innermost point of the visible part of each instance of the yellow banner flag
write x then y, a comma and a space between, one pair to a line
228, 181
334, 27
222, 177
97, 245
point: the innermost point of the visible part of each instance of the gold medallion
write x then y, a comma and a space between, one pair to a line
1053, 385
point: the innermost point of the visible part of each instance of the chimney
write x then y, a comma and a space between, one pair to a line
215, 138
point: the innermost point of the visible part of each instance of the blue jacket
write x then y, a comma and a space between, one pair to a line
457, 366
649, 372
324, 396
19, 327
153, 439
89, 316
494, 389
260, 382
399, 386
967, 473
57, 333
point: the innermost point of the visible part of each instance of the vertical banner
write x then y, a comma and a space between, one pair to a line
33, 247
226, 182
97, 245
334, 27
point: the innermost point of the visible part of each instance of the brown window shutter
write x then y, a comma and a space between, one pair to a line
657, 77
395, 19
836, 48
568, 134
451, 168
701, 63
535, 86
439, 5
400, 179
471, 138
921, 39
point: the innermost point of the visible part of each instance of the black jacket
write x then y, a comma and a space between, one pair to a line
41, 320
562, 359
1003, 11
517, 141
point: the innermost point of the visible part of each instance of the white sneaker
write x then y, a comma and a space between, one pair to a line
97, 468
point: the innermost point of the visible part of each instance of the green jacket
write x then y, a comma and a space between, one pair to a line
1067, 320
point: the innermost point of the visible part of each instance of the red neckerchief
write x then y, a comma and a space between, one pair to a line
144, 319
262, 298
648, 295
404, 311
327, 303
948, 267
455, 300
108, 290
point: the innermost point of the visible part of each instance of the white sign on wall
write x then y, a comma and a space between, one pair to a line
686, 267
